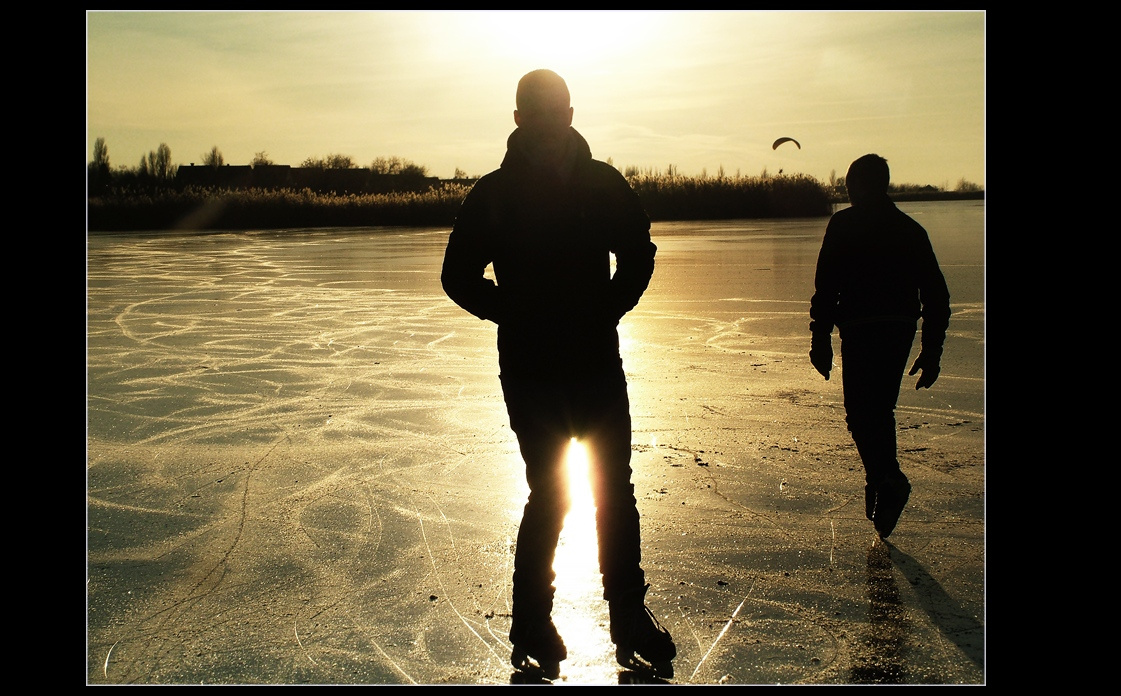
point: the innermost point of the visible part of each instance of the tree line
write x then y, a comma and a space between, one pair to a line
157, 170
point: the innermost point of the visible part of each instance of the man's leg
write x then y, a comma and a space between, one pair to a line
608, 440
873, 360
634, 630
542, 520
533, 417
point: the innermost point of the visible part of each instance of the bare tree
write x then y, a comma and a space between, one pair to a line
397, 165
98, 176
261, 159
329, 162
213, 158
340, 162
159, 163
100, 155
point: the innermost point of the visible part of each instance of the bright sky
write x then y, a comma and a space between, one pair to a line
695, 90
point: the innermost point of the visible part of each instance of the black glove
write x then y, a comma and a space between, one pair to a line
821, 353
929, 362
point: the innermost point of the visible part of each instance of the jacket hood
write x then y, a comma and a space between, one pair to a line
517, 156
874, 202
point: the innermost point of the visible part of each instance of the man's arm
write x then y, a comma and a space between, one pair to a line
934, 295
823, 306
634, 253
465, 260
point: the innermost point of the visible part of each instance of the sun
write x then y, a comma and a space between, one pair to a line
565, 41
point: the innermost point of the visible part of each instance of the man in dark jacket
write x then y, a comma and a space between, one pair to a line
549, 220
876, 277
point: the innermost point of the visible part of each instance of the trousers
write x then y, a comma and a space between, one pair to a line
545, 415
873, 359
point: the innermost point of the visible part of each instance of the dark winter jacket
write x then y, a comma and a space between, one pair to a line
876, 264
550, 236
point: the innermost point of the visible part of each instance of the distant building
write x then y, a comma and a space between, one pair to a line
276, 176
226, 176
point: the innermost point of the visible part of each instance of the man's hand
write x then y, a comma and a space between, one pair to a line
929, 364
821, 354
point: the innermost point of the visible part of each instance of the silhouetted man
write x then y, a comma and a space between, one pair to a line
549, 219
876, 276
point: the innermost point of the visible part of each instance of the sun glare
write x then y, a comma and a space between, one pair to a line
579, 535
565, 40
577, 563
579, 588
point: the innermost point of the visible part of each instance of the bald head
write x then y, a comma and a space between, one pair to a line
544, 114
542, 91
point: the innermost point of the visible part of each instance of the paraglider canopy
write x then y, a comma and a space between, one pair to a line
780, 141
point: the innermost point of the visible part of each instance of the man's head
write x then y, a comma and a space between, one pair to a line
544, 110
867, 179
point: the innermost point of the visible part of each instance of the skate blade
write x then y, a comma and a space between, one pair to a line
541, 669
635, 663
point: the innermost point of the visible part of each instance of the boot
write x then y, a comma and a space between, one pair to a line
641, 643
891, 497
538, 648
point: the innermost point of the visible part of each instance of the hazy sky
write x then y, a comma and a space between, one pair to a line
695, 90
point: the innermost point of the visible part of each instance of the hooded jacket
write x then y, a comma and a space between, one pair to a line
550, 233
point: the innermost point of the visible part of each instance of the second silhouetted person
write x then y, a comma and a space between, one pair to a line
877, 275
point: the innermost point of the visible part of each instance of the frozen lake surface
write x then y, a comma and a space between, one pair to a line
299, 469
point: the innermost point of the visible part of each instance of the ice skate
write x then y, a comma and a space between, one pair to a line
641, 643
538, 648
891, 498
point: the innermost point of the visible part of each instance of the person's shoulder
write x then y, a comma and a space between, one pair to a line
908, 222
493, 175
843, 216
603, 174
604, 168
487, 182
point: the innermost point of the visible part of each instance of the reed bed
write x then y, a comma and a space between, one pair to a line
665, 197
673, 197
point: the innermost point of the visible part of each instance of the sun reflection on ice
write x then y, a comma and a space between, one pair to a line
579, 611
576, 561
